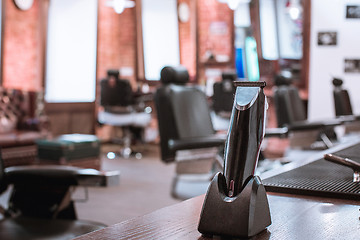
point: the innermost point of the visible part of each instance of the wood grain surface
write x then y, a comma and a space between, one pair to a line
293, 217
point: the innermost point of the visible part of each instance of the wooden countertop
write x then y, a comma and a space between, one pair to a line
293, 217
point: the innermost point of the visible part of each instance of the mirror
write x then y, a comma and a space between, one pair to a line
160, 32
281, 30
71, 51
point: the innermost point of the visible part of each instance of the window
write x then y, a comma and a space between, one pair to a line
290, 32
281, 29
269, 40
71, 51
160, 36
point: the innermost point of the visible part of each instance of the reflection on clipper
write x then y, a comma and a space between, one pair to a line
231, 188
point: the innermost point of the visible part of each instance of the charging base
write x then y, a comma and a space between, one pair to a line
244, 215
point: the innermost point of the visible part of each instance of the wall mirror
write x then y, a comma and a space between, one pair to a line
71, 51
283, 37
160, 36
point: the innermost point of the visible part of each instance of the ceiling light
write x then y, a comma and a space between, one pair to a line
233, 4
120, 5
294, 9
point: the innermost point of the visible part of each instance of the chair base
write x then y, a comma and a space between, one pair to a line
190, 185
195, 169
129, 135
311, 139
128, 152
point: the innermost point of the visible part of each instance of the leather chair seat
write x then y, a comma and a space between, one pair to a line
136, 119
187, 136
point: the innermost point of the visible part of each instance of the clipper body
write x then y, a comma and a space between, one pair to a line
236, 202
245, 136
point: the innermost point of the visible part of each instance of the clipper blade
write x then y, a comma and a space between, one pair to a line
261, 84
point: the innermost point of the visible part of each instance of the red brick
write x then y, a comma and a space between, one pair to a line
23, 58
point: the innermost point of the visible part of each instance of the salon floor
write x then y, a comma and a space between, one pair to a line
144, 187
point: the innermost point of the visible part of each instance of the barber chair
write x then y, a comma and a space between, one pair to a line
292, 120
187, 137
224, 92
121, 109
341, 99
40, 204
343, 107
222, 101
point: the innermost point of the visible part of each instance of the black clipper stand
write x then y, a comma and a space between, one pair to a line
236, 203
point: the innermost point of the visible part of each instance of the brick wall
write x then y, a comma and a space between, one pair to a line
116, 40
116, 46
187, 37
23, 42
212, 17
22, 48
215, 32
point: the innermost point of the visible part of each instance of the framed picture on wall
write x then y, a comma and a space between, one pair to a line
327, 38
352, 66
353, 11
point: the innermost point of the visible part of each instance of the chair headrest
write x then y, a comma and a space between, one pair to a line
113, 72
281, 80
337, 82
177, 75
229, 75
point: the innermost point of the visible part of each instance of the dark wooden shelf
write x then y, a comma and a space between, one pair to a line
214, 63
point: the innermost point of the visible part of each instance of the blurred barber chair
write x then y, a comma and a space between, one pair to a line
343, 107
291, 115
224, 92
40, 204
222, 101
186, 132
121, 109
341, 99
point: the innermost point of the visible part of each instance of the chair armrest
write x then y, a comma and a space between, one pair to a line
307, 125
59, 176
348, 118
194, 143
276, 132
92, 177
